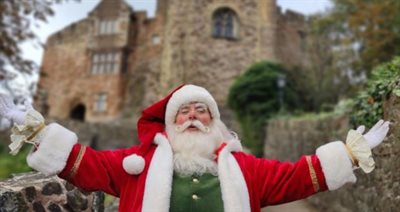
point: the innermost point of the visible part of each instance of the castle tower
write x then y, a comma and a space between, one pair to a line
211, 43
84, 65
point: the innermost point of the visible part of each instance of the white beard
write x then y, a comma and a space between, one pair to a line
194, 152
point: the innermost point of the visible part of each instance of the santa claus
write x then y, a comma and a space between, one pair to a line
188, 160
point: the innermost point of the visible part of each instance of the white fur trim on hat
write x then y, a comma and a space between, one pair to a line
187, 94
133, 164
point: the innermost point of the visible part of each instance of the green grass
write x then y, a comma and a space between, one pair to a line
11, 164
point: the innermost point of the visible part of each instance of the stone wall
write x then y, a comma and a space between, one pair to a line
291, 42
144, 64
302, 136
377, 191
103, 136
35, 192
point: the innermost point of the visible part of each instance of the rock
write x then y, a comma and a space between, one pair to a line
52, 188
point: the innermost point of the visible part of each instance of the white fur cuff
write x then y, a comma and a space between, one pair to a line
55, 146
336, 164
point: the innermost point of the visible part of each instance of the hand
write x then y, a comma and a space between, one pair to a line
10, 111
376, 134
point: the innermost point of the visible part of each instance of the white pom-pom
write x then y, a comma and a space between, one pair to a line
133, 164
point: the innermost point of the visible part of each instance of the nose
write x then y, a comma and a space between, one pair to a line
192, 114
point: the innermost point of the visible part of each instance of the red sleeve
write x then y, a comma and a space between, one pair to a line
95, 170
277, 182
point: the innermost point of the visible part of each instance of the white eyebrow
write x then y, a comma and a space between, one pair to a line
183, 106
199, 104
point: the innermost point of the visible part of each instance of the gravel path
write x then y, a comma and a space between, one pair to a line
297, 206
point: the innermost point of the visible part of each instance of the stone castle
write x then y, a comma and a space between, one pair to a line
116, 61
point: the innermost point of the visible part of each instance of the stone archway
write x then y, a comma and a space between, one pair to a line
78, 112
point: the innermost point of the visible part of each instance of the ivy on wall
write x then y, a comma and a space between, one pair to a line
368, 105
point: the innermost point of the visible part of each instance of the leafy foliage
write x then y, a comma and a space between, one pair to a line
368, 107
370, 27
344, 45
325, 79
16, 18
254, 97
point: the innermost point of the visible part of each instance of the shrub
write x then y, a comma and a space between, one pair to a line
254, 97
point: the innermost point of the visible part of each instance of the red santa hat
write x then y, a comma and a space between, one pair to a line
157, 116
187, 94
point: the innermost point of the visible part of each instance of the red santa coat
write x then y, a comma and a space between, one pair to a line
247, 183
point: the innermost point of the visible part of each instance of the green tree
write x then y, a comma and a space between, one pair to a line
16, 19
371, 27
326, 77
254, 97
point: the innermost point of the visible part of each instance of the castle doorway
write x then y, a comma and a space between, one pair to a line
78, 112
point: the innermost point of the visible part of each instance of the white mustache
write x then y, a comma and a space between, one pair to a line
195, 123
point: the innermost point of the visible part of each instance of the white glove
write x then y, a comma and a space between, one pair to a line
359, 146
29, 123
11, 112
376, 134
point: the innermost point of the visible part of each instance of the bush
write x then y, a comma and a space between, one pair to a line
254, 97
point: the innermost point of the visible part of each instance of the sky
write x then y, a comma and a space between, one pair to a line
71, 11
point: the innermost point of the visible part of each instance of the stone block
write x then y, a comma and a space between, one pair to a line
36, 192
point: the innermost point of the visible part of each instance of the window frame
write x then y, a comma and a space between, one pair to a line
100, 103
228, 23
105, 62
107, 27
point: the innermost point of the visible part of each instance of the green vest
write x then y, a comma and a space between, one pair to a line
196, 193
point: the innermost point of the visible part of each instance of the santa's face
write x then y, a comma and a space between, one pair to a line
194, 137
192, 112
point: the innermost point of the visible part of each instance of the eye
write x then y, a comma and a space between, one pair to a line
184, 111
201, 110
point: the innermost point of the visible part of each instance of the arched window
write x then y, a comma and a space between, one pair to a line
78, 112
225, 23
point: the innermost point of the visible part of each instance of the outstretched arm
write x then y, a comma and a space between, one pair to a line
338, 160
56, 151
330, 168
